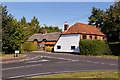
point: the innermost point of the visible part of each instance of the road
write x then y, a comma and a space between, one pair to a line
52, 63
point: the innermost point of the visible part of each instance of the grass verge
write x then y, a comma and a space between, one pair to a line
97, 74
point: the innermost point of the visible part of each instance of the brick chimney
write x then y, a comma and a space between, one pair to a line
44, 31
66, 26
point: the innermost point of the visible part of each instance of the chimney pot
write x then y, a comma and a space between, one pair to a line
66, 26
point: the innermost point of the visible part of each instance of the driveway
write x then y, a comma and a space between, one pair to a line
52, 63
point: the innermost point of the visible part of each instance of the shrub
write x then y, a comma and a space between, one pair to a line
115, 48
49, 49
94, 47
29, 46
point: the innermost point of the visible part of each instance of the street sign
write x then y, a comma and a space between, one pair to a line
17, 53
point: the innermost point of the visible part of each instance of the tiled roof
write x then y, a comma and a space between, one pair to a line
83, 29
50, 43
48, 36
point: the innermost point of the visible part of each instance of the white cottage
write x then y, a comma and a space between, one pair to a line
69, 39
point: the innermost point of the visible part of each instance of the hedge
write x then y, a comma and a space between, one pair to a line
94, 47
49, 49
29, 46
115, 48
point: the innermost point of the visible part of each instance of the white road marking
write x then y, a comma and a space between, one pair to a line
113, 64
96, 62
29, 75
46, 73
88, 61
21, 67
102, 63
37, 61
60, 58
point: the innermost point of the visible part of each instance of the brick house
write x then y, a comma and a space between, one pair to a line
44, 40
69, 39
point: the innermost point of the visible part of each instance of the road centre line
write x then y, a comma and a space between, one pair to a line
59, 58
37, 61
96, 62
21, 67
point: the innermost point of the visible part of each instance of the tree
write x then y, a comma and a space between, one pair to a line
109, 21
35, 23
0, 27
50, 29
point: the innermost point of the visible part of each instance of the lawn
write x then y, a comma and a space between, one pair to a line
100, 74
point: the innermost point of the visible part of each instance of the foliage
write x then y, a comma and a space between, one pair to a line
49, 49
93, 47
108, 21
115, 48
29, 46
50, 29
15, 33
0, 27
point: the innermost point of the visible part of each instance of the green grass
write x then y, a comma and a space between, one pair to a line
101, 74
106, 56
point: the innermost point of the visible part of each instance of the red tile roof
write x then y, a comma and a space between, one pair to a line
49, 43
83, 29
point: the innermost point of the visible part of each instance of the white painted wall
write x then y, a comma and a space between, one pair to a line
66, 41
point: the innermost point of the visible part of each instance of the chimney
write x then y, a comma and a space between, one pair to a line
66, 26
44, 31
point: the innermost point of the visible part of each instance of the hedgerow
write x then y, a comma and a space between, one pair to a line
94, 47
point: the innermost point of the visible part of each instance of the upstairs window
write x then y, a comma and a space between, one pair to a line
90, 37
95, 37
84, 36
72, 47
58, 47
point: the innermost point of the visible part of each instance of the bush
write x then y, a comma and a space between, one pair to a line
49, 49
115, 48
94, 47
29, 46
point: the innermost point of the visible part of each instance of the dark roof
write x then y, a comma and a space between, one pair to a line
84, 29
48, 36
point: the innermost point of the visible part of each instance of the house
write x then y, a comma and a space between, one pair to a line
44, 40
69, 39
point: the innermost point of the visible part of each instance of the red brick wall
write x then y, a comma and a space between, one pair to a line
93, 37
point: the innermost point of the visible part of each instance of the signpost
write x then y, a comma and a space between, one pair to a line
17, 53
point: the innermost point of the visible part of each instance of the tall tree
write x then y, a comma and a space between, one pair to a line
35, 23
109, 21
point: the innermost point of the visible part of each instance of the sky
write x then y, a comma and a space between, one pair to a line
55, 13
58, 0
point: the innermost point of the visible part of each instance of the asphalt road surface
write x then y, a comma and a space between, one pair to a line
53, 63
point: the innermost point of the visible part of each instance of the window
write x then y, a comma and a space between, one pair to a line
45, 40
72, 47
95, 37
84, 36
90, 37
58, 47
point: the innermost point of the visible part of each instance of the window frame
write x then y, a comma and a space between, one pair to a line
90, 37
72, 48
58, 47
84, 36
